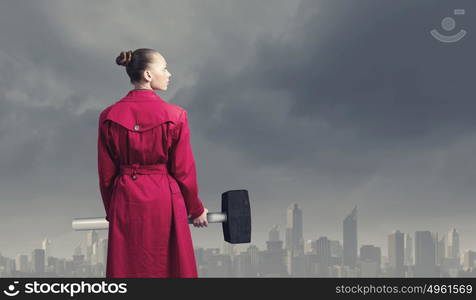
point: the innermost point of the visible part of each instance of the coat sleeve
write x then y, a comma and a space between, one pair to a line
107, 167
182, 167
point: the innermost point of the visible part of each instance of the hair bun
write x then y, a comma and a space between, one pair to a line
124, 58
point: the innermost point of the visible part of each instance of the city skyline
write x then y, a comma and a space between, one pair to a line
262, 243
290, 240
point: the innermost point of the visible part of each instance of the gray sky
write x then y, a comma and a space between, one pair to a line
329, 104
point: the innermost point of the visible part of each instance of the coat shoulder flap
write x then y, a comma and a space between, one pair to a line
139, 117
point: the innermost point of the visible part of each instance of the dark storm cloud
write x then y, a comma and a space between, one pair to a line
355, 79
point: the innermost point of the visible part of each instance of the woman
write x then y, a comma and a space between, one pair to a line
147, 176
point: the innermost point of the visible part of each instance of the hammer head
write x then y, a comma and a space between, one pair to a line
237, 227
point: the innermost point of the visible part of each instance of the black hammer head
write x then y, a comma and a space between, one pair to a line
237, 227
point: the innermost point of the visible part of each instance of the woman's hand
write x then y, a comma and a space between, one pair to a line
201, 220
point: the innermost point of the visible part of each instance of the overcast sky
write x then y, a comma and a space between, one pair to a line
329, 104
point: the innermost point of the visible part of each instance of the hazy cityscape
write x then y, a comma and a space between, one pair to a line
417, 254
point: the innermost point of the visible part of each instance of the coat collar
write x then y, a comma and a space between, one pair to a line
150, 112
140, 95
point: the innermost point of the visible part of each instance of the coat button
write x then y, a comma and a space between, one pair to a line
136, 127
134, 177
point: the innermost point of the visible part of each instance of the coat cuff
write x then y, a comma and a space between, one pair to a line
197, 214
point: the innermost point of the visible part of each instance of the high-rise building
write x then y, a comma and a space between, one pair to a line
425, 254
247, 262
350, 239
216, 264
468, 259
242, 265
408, 250
294, 230
370, 261
228, 249
272, 260
102, 251
92, 238
294, 241
38, 261
253, 251
95, 253
78, 250
449, 262
323, 250
308, 246
370, 252
336, 249
21, 263
46, 245
441, 251
396, 253
273, 234
453, 244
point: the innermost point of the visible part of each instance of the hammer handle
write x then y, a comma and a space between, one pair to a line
214, 217
101, 223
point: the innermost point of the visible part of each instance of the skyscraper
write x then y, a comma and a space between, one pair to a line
102, 253
469, 259
350, 239
425, 254
396, 253
46, 245
272, 261
408, 250
21, 263
254, 254
308, 246
294, 235
273, 234
92, 238
229, 249
295, 241
323, 250
370, 261
336, 249
441, 250
453, 244
247, 262
38, 261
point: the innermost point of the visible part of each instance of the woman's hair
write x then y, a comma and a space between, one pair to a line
136, 62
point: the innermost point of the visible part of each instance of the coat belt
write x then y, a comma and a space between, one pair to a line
134, 169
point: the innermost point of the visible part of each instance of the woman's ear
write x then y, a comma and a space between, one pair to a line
147, 75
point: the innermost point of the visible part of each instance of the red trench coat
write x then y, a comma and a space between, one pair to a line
147, 181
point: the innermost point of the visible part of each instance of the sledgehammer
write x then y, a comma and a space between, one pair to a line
235, 218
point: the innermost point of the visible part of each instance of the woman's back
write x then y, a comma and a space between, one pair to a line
147, 179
